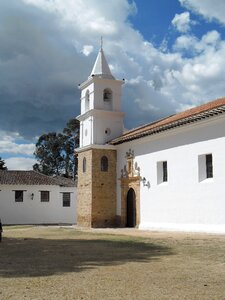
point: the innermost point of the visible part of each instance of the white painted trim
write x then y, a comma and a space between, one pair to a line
99, 112
107, 147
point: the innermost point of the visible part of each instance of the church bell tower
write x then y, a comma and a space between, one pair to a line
101, 120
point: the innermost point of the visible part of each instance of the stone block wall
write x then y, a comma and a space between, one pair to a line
97, 189
84, 190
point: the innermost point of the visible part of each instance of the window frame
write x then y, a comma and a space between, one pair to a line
209, 165
19, 199
205, 167
107, 92
42, 198
164, 171
87, 100
84, 164
66, 202
104, 163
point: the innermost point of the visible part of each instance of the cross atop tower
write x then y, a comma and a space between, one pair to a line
101, 44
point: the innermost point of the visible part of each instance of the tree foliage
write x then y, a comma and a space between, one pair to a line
2, 164
55, 152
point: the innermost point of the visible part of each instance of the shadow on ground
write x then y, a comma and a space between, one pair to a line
25, 257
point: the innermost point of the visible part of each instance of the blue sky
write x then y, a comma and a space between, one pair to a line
171, 52
153, 19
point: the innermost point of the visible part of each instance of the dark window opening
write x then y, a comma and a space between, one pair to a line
209, 166
84, 164
165, 174
104, 164
87, 98
44, 196
66, 199
107, 95
18, 196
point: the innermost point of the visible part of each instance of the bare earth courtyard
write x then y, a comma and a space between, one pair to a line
66, 263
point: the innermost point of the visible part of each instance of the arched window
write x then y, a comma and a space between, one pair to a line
87, 100
107, 95
84, 164
104, 164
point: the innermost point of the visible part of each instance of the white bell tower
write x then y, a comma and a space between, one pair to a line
101, 119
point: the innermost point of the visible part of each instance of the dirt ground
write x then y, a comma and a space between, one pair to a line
38, 262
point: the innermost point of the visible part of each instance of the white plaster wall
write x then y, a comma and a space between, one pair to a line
184, 202
86, 134
100, 115
90, 88
34, 211
96, 88
115, 86
111, 122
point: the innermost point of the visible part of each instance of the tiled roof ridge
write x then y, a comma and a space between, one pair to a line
145, 125
185, 116
31, 177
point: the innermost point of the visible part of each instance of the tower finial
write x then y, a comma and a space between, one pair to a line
101, 42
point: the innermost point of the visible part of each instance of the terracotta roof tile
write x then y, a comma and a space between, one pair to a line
189, 116
32, 178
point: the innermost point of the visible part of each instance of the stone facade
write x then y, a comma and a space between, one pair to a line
84, 189
130, 179
126, 185
96, 189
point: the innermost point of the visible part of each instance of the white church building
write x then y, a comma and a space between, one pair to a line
166, 175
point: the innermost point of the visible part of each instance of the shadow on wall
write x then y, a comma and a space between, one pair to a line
25, 257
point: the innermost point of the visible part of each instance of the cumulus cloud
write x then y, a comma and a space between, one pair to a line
87, 50
211, 40
13, 143
20, 163
49, 47
211, 10
182, 22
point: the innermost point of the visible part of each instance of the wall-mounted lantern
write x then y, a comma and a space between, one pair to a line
145, 182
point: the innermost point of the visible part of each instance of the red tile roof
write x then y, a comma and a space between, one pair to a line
32, 178
195, 114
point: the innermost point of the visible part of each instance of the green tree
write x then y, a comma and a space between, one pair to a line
2, 164
71, 142
55, 152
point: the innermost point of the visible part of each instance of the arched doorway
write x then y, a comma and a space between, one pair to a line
131, 208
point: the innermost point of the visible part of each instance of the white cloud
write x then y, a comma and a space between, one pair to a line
185, 42
189, 42
93, 16
12, 144
20, 163
212, 37
200, 76
87, 49
207, 8
182, 22
163, 80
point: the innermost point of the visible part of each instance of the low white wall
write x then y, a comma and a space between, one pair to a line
34, 211
184, 202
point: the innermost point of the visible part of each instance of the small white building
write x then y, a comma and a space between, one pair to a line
28, 197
